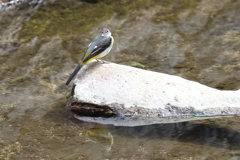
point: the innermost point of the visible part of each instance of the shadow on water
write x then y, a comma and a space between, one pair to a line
199, 139
205, 132
187, 132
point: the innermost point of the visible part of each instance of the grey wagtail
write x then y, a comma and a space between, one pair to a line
98, 48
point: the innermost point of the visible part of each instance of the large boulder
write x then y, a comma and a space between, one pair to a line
123, 92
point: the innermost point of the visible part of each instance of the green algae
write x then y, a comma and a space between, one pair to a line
68, 19
65, 19
134, 64
172, 8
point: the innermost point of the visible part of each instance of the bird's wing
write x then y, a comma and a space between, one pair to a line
97, 48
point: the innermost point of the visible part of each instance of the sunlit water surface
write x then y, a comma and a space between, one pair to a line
40, 44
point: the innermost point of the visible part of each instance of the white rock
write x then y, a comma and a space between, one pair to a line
139, 92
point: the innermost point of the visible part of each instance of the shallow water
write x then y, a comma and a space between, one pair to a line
39, 47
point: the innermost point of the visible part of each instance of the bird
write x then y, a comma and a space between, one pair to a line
98, 48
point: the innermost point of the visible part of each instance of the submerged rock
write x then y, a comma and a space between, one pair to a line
135, 94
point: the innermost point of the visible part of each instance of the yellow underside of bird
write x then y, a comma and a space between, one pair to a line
95, 57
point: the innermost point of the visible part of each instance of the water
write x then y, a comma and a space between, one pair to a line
39, 47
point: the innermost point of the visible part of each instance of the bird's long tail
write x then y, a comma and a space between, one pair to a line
73, 74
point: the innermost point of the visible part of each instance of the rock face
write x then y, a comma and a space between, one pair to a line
133, 92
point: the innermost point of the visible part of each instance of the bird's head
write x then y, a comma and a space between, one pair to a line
105, 32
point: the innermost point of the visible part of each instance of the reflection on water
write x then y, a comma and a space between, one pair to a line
186, 132
40, 44
200, 139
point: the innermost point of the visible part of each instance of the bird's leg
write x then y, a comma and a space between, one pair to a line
101, 61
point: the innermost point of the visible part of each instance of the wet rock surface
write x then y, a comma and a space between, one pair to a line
92, 110
11, 4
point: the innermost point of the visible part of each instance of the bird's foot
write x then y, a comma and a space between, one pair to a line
102, 62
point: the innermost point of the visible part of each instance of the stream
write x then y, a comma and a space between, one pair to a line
42, 40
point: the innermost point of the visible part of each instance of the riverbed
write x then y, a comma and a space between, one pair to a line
41, 42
